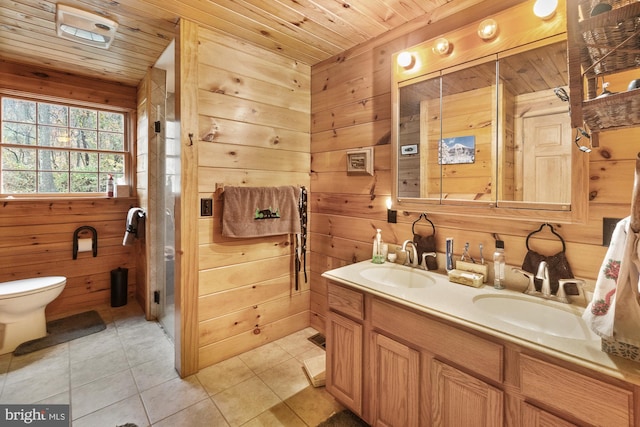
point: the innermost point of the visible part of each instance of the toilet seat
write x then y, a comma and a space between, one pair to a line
18, 288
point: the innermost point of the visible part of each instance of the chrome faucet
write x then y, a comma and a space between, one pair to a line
412, 256
545, 290
423, 262
543, 274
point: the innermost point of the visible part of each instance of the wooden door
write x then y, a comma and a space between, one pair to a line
344, 361
458, 399
547, 158
395, 383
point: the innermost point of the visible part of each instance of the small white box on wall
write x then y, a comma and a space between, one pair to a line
122, 191
360, 161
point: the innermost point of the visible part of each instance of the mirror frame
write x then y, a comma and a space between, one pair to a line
519, 30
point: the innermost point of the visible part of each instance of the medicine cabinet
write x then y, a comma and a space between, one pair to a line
486, 129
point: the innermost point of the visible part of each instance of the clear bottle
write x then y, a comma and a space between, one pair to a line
377, 257
498, 265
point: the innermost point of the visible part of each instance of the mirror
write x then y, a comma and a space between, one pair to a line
535, 162
492, 132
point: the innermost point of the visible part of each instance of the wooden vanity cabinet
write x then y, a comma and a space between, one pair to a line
397, 366
459, 399
572, 395
395, 383
344, 337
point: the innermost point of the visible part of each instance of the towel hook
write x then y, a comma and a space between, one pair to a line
552, 230
422, 215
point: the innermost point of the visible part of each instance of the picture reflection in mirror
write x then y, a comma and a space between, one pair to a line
465, 135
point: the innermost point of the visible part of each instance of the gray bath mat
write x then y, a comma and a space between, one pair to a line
63, 330
344, 418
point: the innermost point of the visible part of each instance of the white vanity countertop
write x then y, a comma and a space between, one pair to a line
455, 302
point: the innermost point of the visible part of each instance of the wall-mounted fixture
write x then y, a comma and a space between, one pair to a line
579, 134
545, 9
442, 46
488, 29
406, 60
392, 215
84, 27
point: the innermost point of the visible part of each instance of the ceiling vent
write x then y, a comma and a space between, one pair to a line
85, 27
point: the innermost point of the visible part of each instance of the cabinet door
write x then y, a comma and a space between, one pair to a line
344, 361
458, 399
531, 416
395, 383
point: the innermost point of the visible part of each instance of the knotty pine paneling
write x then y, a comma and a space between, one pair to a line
253, 130
36, 240
36, 234
347, 209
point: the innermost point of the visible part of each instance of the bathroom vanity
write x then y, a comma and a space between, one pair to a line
406, 347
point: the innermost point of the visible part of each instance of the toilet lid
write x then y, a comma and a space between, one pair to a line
25, 286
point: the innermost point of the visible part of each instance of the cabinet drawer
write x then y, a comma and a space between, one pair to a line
462, 348
346, 301
585, 398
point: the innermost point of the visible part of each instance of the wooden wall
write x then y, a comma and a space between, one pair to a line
36, 235
351, 107
253, 119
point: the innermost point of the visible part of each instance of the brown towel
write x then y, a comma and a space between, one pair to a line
260, 211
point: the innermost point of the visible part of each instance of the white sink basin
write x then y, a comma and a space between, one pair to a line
397, 276
536, 315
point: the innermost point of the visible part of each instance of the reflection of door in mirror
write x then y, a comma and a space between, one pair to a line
547, 158
538, 167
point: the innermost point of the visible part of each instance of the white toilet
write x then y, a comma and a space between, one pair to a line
22, 304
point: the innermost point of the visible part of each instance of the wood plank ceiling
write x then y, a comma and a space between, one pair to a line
308, 31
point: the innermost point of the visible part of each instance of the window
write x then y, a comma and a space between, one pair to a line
57, 148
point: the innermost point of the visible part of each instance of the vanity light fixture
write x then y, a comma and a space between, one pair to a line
406, 60
84, 27
545, 9
488, 29
442, 47
392, 215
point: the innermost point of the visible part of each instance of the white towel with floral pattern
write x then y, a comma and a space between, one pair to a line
614, 311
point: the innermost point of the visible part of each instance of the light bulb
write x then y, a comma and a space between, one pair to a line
442, 46
406, 60
545, 9
389, 203
487, 29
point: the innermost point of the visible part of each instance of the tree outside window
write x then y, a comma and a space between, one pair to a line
55, 148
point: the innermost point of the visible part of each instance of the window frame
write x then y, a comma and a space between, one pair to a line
128, 149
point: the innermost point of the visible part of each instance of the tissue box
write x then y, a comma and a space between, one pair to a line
122, 191
466, 278
619, 348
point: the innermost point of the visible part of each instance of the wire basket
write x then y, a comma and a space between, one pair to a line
605, 36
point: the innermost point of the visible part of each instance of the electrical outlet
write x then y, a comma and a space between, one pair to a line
608, 225
206, 207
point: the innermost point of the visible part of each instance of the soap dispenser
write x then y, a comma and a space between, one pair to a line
378, 256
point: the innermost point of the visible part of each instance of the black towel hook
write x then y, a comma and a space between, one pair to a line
94, 240
552, 230
422, 215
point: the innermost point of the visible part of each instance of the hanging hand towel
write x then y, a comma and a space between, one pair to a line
614, 312
260, 211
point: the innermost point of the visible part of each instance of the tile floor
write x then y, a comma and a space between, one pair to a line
125, 374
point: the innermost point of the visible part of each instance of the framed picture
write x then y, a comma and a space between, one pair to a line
457, 150
360, 161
